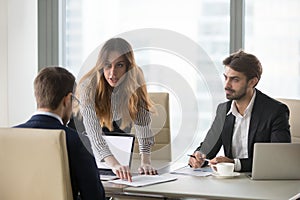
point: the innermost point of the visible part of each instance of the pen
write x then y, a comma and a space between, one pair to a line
195, 157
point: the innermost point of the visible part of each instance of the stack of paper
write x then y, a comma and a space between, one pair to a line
142, 180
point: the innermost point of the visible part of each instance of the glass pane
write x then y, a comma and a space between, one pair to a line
273, 35
179, 45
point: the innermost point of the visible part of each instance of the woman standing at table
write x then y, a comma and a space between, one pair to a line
113, 98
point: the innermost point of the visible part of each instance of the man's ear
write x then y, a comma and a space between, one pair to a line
67, 99
253, 82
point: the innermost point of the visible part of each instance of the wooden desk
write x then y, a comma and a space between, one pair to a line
211, 188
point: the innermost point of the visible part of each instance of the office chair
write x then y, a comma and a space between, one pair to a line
34, 165
160, 127
294, 106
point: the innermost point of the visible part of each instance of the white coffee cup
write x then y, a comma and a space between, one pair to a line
223, 169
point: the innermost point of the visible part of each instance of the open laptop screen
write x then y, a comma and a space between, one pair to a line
121, 145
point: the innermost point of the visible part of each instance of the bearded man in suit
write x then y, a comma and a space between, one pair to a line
249, 116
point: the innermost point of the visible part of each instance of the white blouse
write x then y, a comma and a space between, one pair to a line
144, 135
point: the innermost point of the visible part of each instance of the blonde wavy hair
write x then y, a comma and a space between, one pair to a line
133, 89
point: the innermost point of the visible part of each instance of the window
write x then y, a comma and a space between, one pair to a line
272, 33
204, 24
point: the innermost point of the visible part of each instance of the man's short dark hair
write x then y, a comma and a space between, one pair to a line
245, 63
51, 85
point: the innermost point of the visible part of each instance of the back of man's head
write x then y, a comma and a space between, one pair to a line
51, 85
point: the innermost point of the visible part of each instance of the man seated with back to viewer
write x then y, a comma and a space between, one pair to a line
248, 117
53, 92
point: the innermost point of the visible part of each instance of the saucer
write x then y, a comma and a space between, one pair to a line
232, 175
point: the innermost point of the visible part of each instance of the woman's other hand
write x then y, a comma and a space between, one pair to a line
146, 167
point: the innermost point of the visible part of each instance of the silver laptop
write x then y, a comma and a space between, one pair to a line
276, 161
121, 145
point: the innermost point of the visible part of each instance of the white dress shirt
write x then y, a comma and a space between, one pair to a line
240, 132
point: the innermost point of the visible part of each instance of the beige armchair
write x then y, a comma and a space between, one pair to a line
294, 106
161, 128
34, 165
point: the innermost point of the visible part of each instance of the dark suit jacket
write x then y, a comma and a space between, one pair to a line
84, 174
269, 123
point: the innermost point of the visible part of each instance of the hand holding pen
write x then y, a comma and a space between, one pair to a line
197, 159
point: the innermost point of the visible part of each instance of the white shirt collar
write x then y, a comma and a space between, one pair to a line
249, 108
49, 114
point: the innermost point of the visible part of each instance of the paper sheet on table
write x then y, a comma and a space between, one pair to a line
296, 197
187, 170
143, 180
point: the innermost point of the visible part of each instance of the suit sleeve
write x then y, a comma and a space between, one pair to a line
212, 142
280, 130
87, 175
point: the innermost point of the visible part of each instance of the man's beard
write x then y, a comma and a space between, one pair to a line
236, 95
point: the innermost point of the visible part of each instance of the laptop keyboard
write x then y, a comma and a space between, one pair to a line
106, 172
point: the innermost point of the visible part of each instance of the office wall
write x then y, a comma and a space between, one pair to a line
18, 60
3, 63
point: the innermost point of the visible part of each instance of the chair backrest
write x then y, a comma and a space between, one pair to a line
161, 128
294, 106
34, 165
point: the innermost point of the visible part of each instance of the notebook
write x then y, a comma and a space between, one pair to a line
276, 161
121, 145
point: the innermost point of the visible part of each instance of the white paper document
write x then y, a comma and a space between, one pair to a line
143, 180
187, 170
296, 197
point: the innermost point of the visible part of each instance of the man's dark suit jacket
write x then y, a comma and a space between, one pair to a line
269, 123
84, 174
